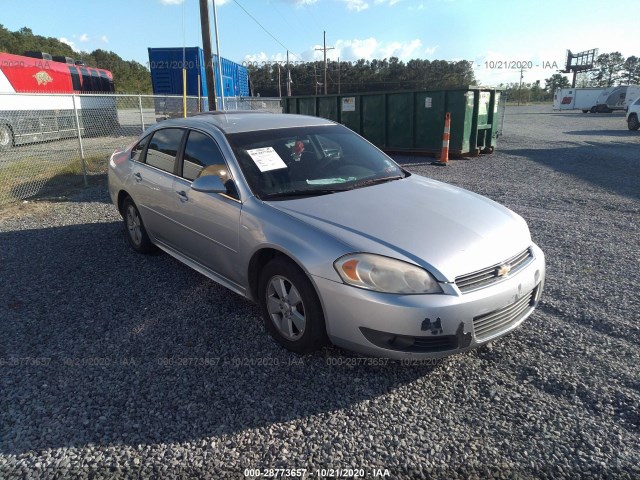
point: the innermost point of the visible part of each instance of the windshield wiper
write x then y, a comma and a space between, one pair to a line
374, 181
302, 193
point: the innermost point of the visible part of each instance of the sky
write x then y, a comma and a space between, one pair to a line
499, 36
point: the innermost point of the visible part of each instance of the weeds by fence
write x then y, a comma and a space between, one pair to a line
57, 138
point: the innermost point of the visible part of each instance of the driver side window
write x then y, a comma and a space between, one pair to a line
203, 157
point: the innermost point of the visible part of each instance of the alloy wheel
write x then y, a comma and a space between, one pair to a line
285, 308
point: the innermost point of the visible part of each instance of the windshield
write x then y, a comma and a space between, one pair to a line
288, 162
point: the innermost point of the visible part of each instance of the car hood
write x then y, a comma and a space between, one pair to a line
446, 229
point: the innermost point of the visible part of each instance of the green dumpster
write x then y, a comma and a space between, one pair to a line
412, 121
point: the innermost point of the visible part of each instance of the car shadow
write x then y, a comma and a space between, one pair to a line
101, 345
592, 162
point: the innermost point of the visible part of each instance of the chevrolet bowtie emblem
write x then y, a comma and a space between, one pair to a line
503, 270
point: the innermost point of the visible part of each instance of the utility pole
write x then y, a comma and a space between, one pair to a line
288, 77
324, 48
520, 86
338, 75
208, 56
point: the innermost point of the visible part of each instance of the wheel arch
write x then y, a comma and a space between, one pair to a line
122, 194
260, 258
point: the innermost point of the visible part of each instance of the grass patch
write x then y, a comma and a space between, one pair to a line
26, 177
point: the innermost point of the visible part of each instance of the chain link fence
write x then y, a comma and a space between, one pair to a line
49, 140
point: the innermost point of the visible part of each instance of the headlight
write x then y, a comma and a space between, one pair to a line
384, 274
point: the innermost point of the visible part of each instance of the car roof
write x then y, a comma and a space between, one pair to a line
245, 121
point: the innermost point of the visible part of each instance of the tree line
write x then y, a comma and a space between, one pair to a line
610, 69
269, 79
129, 76
306, 78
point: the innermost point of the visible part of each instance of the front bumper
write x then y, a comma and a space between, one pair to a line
427, 326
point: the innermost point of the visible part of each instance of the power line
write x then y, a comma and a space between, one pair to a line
313, 16
267, 31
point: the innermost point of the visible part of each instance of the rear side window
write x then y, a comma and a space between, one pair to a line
163, 148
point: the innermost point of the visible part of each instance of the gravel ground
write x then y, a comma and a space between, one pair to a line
114, 364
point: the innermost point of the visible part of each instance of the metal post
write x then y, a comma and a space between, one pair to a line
140, 109
215, 28
184, 92
199, 95
338, 75
84, 167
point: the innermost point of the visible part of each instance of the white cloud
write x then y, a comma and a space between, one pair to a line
360, 5
83, 38
371, 48
68, 42
352, 50
357, 5
104, 39
260, 58
218, 2
401, 50
298, 3
391, 3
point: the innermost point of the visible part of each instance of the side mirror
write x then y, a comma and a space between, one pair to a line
208, 184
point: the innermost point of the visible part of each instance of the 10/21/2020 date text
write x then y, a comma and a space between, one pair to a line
518, 64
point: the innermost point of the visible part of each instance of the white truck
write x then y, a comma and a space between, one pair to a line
584, 99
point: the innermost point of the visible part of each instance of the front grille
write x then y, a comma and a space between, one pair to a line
492, 323
489, 276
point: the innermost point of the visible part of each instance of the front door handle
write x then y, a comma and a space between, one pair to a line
138, 177
183, 196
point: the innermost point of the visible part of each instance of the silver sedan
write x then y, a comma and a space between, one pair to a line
328, 235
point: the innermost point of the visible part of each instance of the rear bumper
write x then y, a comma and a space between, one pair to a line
428, 326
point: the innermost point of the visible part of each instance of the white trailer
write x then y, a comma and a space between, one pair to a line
584, 99
633, 93
617, 98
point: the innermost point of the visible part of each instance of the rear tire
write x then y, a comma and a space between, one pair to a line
136, 232
633, 122
290, 307
585, 110
6, 138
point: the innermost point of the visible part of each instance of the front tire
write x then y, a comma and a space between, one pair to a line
290, 307
6, 138
136, 232
633, 122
